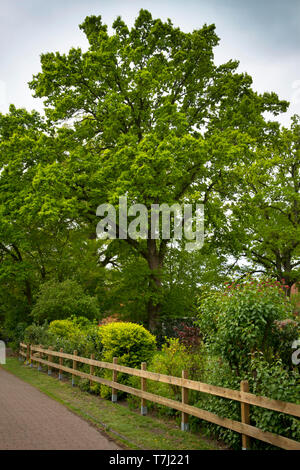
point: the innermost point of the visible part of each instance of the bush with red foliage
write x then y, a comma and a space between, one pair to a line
189, 336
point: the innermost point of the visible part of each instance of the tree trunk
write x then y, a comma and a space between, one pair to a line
153, 315
155, 263
28, 292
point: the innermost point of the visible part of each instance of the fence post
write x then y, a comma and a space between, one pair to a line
74, 367
27, 354
245, 415
114, 396
31, 355
49, 360
144, 389
60, 374
92, 369
185, 400
40, 357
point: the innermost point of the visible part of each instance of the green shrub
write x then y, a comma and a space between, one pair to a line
130, 343
76, 333
248, 329
16, 336
284, 333
176, 357
64, 328
14, 320
37, 334
267, 379
172, 360
219, 373
274, 381
70, 334
239, 321
60, 300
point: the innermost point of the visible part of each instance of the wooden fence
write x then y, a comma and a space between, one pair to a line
35, 354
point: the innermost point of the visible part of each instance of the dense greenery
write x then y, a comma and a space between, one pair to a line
266, 207
244, 338
61, 300
243, 319
145, 112
130, 343
268, 368
248, 330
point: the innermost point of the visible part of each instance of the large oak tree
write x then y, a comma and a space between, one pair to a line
153, 117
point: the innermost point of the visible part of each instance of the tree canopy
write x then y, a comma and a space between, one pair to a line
145, 112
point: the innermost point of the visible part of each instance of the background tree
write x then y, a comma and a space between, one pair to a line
39, 239
60, 300
266, 209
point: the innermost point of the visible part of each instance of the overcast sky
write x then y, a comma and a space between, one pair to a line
264, 35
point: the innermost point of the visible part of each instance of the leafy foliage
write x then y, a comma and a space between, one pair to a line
239, 321
265, 209
130, 343
267, 379
284, 333
279, 383
148, 113
61, 300
189, 336
76, 333
173, 358
218, 372
37, 334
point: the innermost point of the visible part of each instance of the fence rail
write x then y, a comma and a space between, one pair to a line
35, 353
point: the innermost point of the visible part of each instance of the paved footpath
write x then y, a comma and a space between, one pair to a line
31, 420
